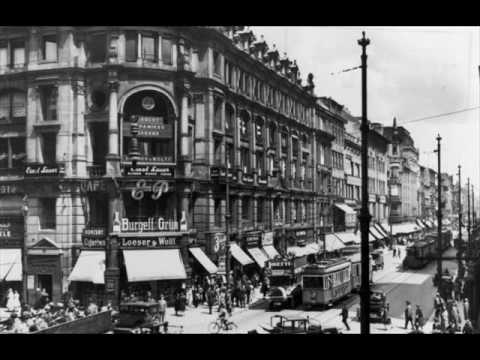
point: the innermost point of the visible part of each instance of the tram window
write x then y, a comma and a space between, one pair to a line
313, 282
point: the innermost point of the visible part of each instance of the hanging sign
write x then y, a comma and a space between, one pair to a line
152, 225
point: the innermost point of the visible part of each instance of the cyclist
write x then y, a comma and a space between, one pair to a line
222, 316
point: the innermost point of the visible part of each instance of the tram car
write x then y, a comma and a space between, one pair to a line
423, 251
326, 282
356, 270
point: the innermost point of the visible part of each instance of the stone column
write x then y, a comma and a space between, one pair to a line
113, 157
79, 156
185, 158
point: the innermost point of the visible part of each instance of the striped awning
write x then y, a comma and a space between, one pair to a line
332, 243
405, 228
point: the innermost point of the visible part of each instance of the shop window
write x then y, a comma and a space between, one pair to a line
47, 214
167, 51
49, 148
149, 48
131, 47
218, 212
217, 63
48, 95
245, 208
97, 48
245, 160
49, 48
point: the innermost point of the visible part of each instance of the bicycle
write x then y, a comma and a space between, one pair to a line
217, 326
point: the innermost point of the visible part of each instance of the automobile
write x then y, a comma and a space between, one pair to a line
377, 257
284, 297
378, 302
280, 324
137, 317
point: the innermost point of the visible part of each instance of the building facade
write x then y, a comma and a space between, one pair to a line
124, 139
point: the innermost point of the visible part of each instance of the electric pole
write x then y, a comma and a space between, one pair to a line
365, 216
439, 216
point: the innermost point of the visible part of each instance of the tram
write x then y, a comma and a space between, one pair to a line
422, 252
326, 281
356, 270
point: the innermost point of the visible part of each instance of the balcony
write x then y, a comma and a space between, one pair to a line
96, 170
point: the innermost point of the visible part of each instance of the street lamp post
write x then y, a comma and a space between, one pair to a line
365, 216
24, 250
439, 215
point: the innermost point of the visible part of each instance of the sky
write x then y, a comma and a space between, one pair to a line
413, 72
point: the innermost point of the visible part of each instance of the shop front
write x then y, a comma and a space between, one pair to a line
11, 241
300, 242
267, 245
252, 241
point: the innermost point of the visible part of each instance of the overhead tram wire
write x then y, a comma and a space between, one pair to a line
439, 115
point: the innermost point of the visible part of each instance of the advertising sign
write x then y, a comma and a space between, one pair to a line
149, 171
147, 243
216, 172
41, 170
150, 225
94, 238
253, 238
9, 189
267, 238
11, 231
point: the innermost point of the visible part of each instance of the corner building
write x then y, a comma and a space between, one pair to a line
122, 137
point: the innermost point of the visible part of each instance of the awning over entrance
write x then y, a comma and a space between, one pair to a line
377, 234
405, 228
346, 209
332, 243
383, 228
271, 252
420, 224
258, 255
152, 265
10, 265
348, 237
240, 255
90, 267
298, 251
204, 260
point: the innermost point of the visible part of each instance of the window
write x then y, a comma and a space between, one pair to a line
272, 134
244, 160
259, 131
12, 153
167, 51
4, 153
98, 209
282, 167
218, 212
230, 155
217, 63
229, 123
47, 213
395, 150
217, 148
131, 48
244, 126
191, 142
97, 48
260, 210
245, 208
49, 148
49, 48
18, 53
260, 163
149, 48
3, 54
48, 95
13, 106
217, 109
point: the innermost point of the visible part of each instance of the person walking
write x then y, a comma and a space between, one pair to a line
210, 299
437, 303
385, 318
408, 315
467, 328
344, 315
162, 309
249, 290
419, 320
444, 319
466, 309
394, 252
242, 292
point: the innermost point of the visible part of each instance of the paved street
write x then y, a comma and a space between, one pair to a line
400, 286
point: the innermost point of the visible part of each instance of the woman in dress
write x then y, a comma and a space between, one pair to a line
16, 301
10, 302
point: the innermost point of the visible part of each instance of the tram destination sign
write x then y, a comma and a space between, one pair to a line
281, 267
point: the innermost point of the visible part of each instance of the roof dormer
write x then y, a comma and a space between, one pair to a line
273, 56
260, 47
284, 64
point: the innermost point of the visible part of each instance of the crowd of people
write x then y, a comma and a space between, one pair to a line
447, 316
27, 319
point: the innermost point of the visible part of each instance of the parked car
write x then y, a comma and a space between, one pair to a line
377, 257
280, 324
137, 317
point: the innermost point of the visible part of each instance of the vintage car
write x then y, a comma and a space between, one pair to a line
377, 257
137, 317
280, 324
378, 304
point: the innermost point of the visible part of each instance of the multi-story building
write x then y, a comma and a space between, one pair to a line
428, 191
353, 163
123, 139
447, 196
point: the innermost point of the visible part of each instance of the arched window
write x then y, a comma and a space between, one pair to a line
155, 117
244, 124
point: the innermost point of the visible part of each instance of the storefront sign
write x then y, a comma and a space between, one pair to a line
267, 238
216, 172
92, 186
153, 225
157, 189
94, 238
372, 198
11, 231
253, 238
9, 189
42, 170
149, 243
222, 269
281, 267
149, 171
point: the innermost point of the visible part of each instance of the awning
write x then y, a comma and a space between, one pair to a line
332, 243
346, 209
271, 252
10, 265
90, 267
298, 251
377, 234
405, 228
258, 255
204, 260
349, 237
240, 255
314, 247
155, 264
420, 224
383, 228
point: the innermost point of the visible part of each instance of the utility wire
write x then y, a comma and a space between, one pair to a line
439, 115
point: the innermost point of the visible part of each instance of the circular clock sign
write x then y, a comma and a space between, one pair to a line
148, 103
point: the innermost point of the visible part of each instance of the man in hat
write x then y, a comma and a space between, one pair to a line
408, 315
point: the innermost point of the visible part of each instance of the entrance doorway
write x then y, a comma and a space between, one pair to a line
45, 282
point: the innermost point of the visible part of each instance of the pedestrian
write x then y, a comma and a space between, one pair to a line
344, 315
264, 289
437, 303
458, 318
242, 294
467, 328
385, 318
210, 299
249, 290
444, 319
177, 303
162, 308
10, 302
466, 309
399, 253
419, 318
189, 296
394, 252
408, 315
